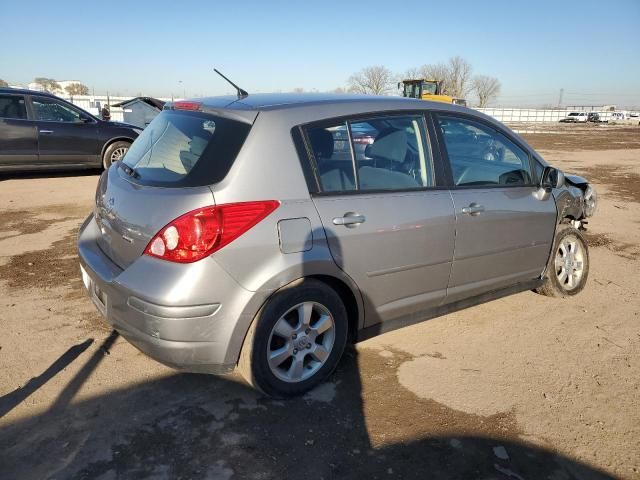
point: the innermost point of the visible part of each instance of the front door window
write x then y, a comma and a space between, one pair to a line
49, 110
481, 156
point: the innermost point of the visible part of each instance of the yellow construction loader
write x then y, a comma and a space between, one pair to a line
428, 90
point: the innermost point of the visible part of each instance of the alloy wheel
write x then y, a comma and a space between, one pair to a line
301, 341
569, 262
118, 154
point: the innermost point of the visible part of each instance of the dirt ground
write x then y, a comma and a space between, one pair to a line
525, 387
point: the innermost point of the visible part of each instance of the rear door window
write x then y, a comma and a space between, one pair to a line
397, 156
332, 152
385, 153
12, 106
185, 149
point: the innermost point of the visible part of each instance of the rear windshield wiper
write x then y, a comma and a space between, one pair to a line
128, 170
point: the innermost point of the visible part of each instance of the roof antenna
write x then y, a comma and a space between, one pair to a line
241, 93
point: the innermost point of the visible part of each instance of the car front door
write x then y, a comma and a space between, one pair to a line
18, 134
504, 231
388, 226
66, 135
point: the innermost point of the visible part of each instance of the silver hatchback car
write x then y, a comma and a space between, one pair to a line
251, 232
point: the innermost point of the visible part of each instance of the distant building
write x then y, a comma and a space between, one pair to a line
140, 111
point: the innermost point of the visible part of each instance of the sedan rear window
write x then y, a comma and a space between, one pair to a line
185, 149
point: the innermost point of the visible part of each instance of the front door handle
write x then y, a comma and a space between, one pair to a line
349, 220
46, 132
473, 209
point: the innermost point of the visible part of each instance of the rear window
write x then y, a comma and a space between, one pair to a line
12, 106
186, 149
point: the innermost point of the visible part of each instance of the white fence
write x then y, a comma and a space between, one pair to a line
525, 115
94, 103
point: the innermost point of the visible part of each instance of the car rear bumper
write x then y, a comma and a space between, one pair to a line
187, 316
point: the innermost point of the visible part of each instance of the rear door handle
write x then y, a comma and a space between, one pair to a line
46, 132
473, 209
349, 220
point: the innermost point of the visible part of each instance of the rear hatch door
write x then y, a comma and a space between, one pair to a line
165, 174
129, 215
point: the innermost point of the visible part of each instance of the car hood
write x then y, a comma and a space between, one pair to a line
123, 125
576, 179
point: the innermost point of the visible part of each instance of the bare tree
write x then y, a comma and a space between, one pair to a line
339, 90
298, 90
459, 81
486, 88
48, 84
454, 76
77, 89
411, 74
436, 71
3, 83
375, 80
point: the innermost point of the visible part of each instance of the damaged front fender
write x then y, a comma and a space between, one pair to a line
576, 200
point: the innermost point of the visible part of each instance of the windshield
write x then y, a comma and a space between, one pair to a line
185, 149
429, 87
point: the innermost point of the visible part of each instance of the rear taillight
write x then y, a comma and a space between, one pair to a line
201, 232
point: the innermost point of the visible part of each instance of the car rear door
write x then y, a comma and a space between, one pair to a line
66, 135
18, 134
389, 226
504, 231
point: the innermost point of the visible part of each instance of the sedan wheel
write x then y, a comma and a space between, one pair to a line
301, 342
569, 262
118, 153
115, 153
568, 267
296, 340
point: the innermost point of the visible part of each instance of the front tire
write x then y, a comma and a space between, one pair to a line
114, 153
568, 266
296, 340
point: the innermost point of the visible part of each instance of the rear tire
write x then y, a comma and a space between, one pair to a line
114, 153
295, 341
568, 266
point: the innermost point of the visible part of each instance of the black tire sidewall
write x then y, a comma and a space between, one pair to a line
278, 305
551, 273
106, 158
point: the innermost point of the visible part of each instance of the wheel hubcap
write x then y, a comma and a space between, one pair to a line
118, 153
569, 262
301, 342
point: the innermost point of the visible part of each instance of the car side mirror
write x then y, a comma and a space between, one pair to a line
552, 178
85, 118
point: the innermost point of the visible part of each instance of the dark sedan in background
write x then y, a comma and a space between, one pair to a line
41, 131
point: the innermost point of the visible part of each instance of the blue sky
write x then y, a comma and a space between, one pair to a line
589, 48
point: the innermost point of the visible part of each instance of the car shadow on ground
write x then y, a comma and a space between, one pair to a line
360, 424
25, 175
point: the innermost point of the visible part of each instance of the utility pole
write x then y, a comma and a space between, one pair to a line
560, 99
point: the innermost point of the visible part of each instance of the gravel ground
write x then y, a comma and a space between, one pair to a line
525, 387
